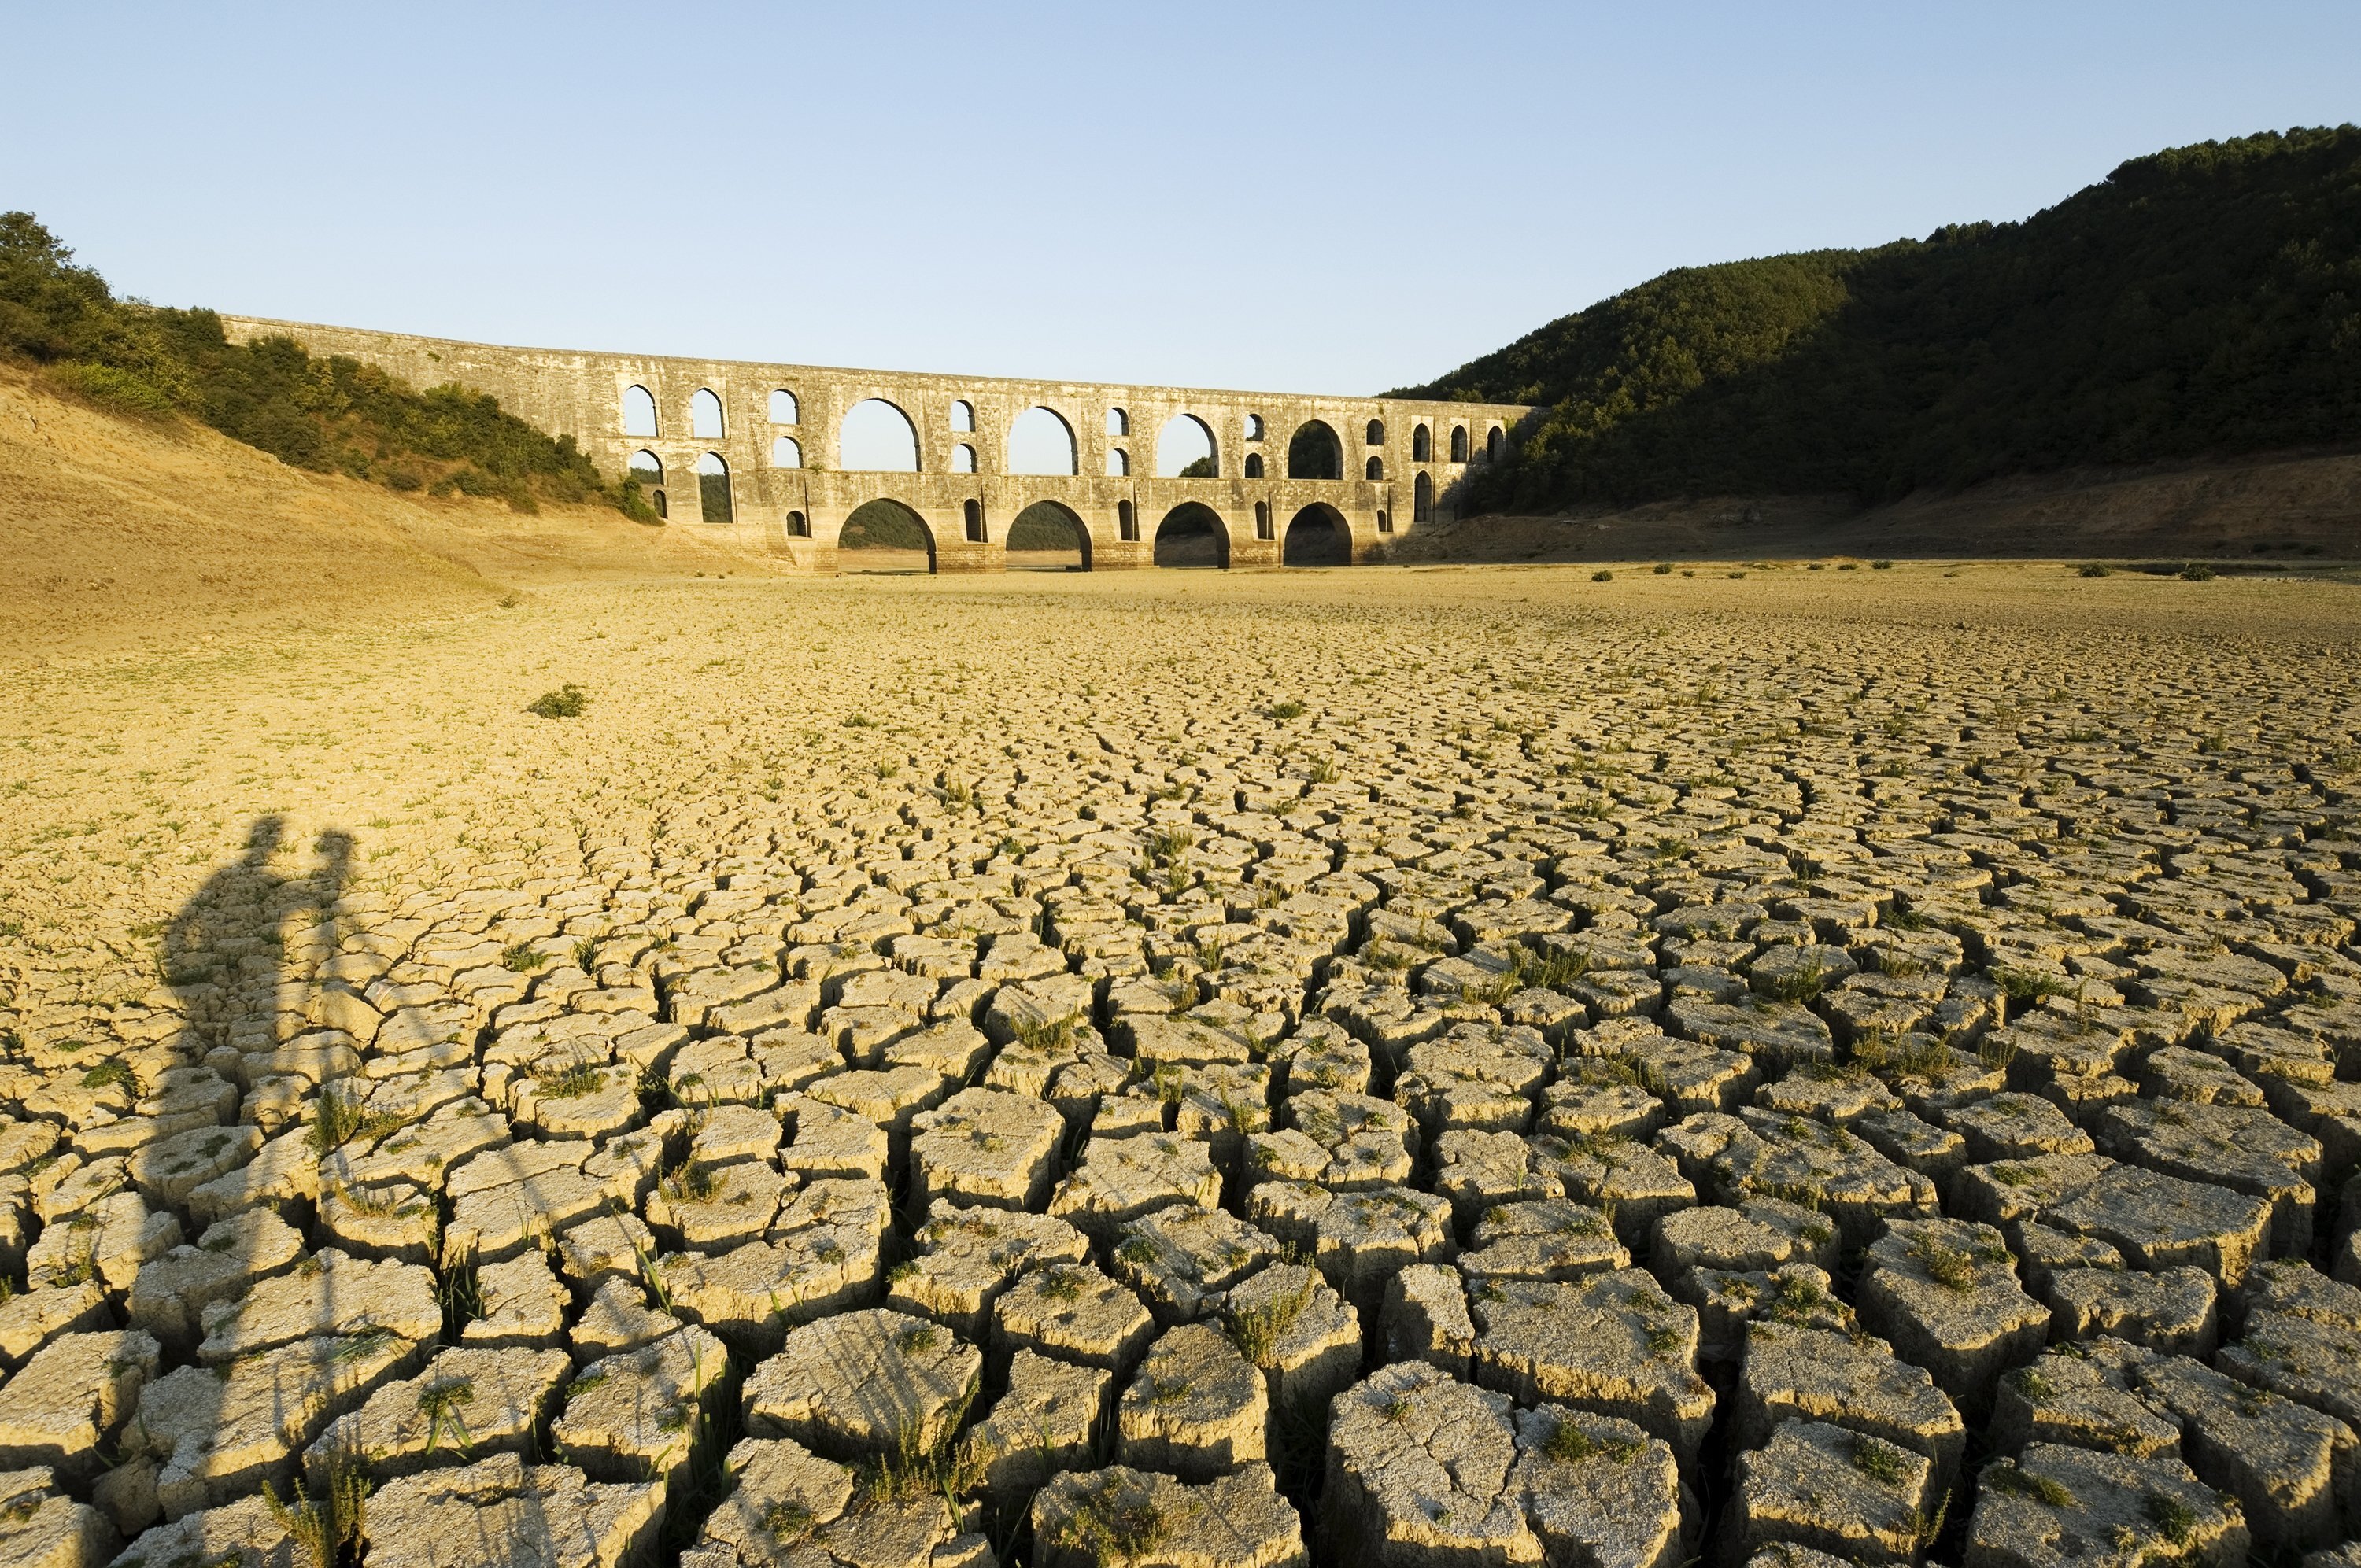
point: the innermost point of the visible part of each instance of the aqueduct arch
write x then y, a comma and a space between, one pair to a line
888, 533
1045, 534
1317, 536
789, 479
1193, 534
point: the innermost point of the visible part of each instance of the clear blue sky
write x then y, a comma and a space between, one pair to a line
1318, 197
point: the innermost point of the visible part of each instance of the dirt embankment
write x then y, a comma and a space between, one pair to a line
121, 533
2301, 507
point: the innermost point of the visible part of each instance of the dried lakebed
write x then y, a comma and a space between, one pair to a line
1409, 1067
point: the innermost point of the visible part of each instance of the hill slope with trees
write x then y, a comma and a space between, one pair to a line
2202, 302
327, 415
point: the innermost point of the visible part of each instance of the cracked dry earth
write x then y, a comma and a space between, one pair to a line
1381, 1068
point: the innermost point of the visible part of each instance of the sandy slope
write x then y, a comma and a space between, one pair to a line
2302, 507
118, 533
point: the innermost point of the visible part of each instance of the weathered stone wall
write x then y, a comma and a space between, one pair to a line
798, 512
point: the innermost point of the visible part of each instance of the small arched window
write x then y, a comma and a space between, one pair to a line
1422, 445
1254, 427
1126, 522
1422, 500
1118, 462
1375, 468
787, 453
799, 526
975, 522
713, 489
1118, 423
1262, 520
963, 415
638, 411
1254, 465
1494, 443
704, 415
1376, 436
782, 408
963, 458
1385, 522
1459, 443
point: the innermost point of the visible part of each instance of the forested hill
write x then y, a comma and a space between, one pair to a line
2202, 300
330, 415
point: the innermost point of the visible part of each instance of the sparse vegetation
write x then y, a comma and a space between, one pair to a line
1113, 1520
2006, 1477
338, 1521
1569, 1443
568, 701
339, 1119
1878, 1462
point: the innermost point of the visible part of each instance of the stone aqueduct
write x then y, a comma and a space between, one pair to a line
760, 446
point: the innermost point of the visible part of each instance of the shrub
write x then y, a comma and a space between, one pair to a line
403, 479
1602, 575
632, 500
567, 701
1663, 568
2197, 572
119, 391
1881, 565
2094, 569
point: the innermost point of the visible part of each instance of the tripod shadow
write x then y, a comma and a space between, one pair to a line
227, 943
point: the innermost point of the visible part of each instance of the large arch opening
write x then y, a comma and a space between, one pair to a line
713, 489
877, 438
1422, 505
885, 536
1046, 537
1193, 534
1041, 442
1314, 452
638, 411
1185, 450
1317, 536
704, 415
649, 470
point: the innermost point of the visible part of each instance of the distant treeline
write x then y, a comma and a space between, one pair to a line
2202, 300
330, 415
